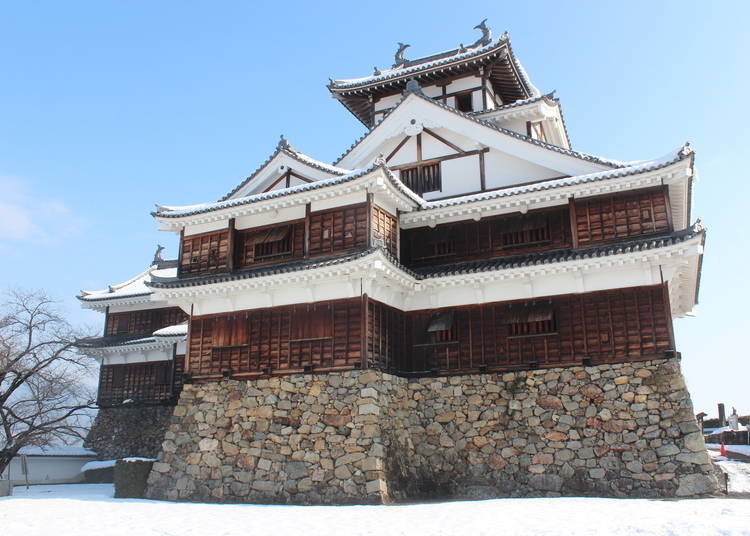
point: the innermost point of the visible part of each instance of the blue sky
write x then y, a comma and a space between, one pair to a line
107, 108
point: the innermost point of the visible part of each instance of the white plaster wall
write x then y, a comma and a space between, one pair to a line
406, 154
459, 176
206, 227
270, 217
340, 201
138, 356
388, 102
476, 101
47, 469
463, 83
433, 91
502, 169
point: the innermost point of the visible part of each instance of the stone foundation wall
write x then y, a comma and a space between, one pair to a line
367, 437
129, 431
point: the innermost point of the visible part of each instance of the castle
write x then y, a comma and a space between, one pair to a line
460, 306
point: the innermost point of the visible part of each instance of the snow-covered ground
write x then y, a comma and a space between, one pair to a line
738, 449
738, 474
76, 509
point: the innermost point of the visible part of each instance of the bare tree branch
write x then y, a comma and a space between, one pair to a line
43, 393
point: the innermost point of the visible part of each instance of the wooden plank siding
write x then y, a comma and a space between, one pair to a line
386, 229
598, 327
322, 233
338, 230
491, 237
608, 326
611, 217
156, 382
204, 253
143, 322
278, 340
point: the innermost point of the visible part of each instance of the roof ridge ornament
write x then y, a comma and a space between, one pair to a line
399, 56
687, 149
283, 143
412, 86
486, 38
158, 259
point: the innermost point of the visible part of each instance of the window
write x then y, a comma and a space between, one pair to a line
273, 243
530, 320
535, 129
422, 179
524, 231
435, 328
463, 102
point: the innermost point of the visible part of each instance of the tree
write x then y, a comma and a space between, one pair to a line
44, 396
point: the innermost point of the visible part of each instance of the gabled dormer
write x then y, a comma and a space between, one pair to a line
286, 167
480, 77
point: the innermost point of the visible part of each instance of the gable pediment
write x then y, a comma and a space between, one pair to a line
416, 113
286, 167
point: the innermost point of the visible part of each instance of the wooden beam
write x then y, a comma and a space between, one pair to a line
369, 219
179, 253
398, 147
277, 181
306, 247
573, 221
291, 173
419, 147
482, 178
443, 140
363, 330
231, 253
440, 159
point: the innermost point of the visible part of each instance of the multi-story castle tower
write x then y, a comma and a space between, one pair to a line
461, 305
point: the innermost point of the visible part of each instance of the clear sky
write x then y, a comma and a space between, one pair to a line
109, 107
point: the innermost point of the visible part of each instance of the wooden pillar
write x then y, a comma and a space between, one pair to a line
231, 253
307, 231
179, 253
363, 330
106, 320
573, 221
668, 309
482, 176
668, 207
186, 364
369, 220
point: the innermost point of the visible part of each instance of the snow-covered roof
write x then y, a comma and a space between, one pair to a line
189, 210
133, 291
284, 147
441, 60
471, 117
633, 168
178, 330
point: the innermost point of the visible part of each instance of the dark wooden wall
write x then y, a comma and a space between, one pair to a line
489, 237
599, 327
143, 322
325, 335
156, 382
204, 253
321, 233
338, 230
611, 217
607, 326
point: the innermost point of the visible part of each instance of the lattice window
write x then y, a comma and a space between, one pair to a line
275, 242
527, 231
422, 179
463, 102
531, 319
